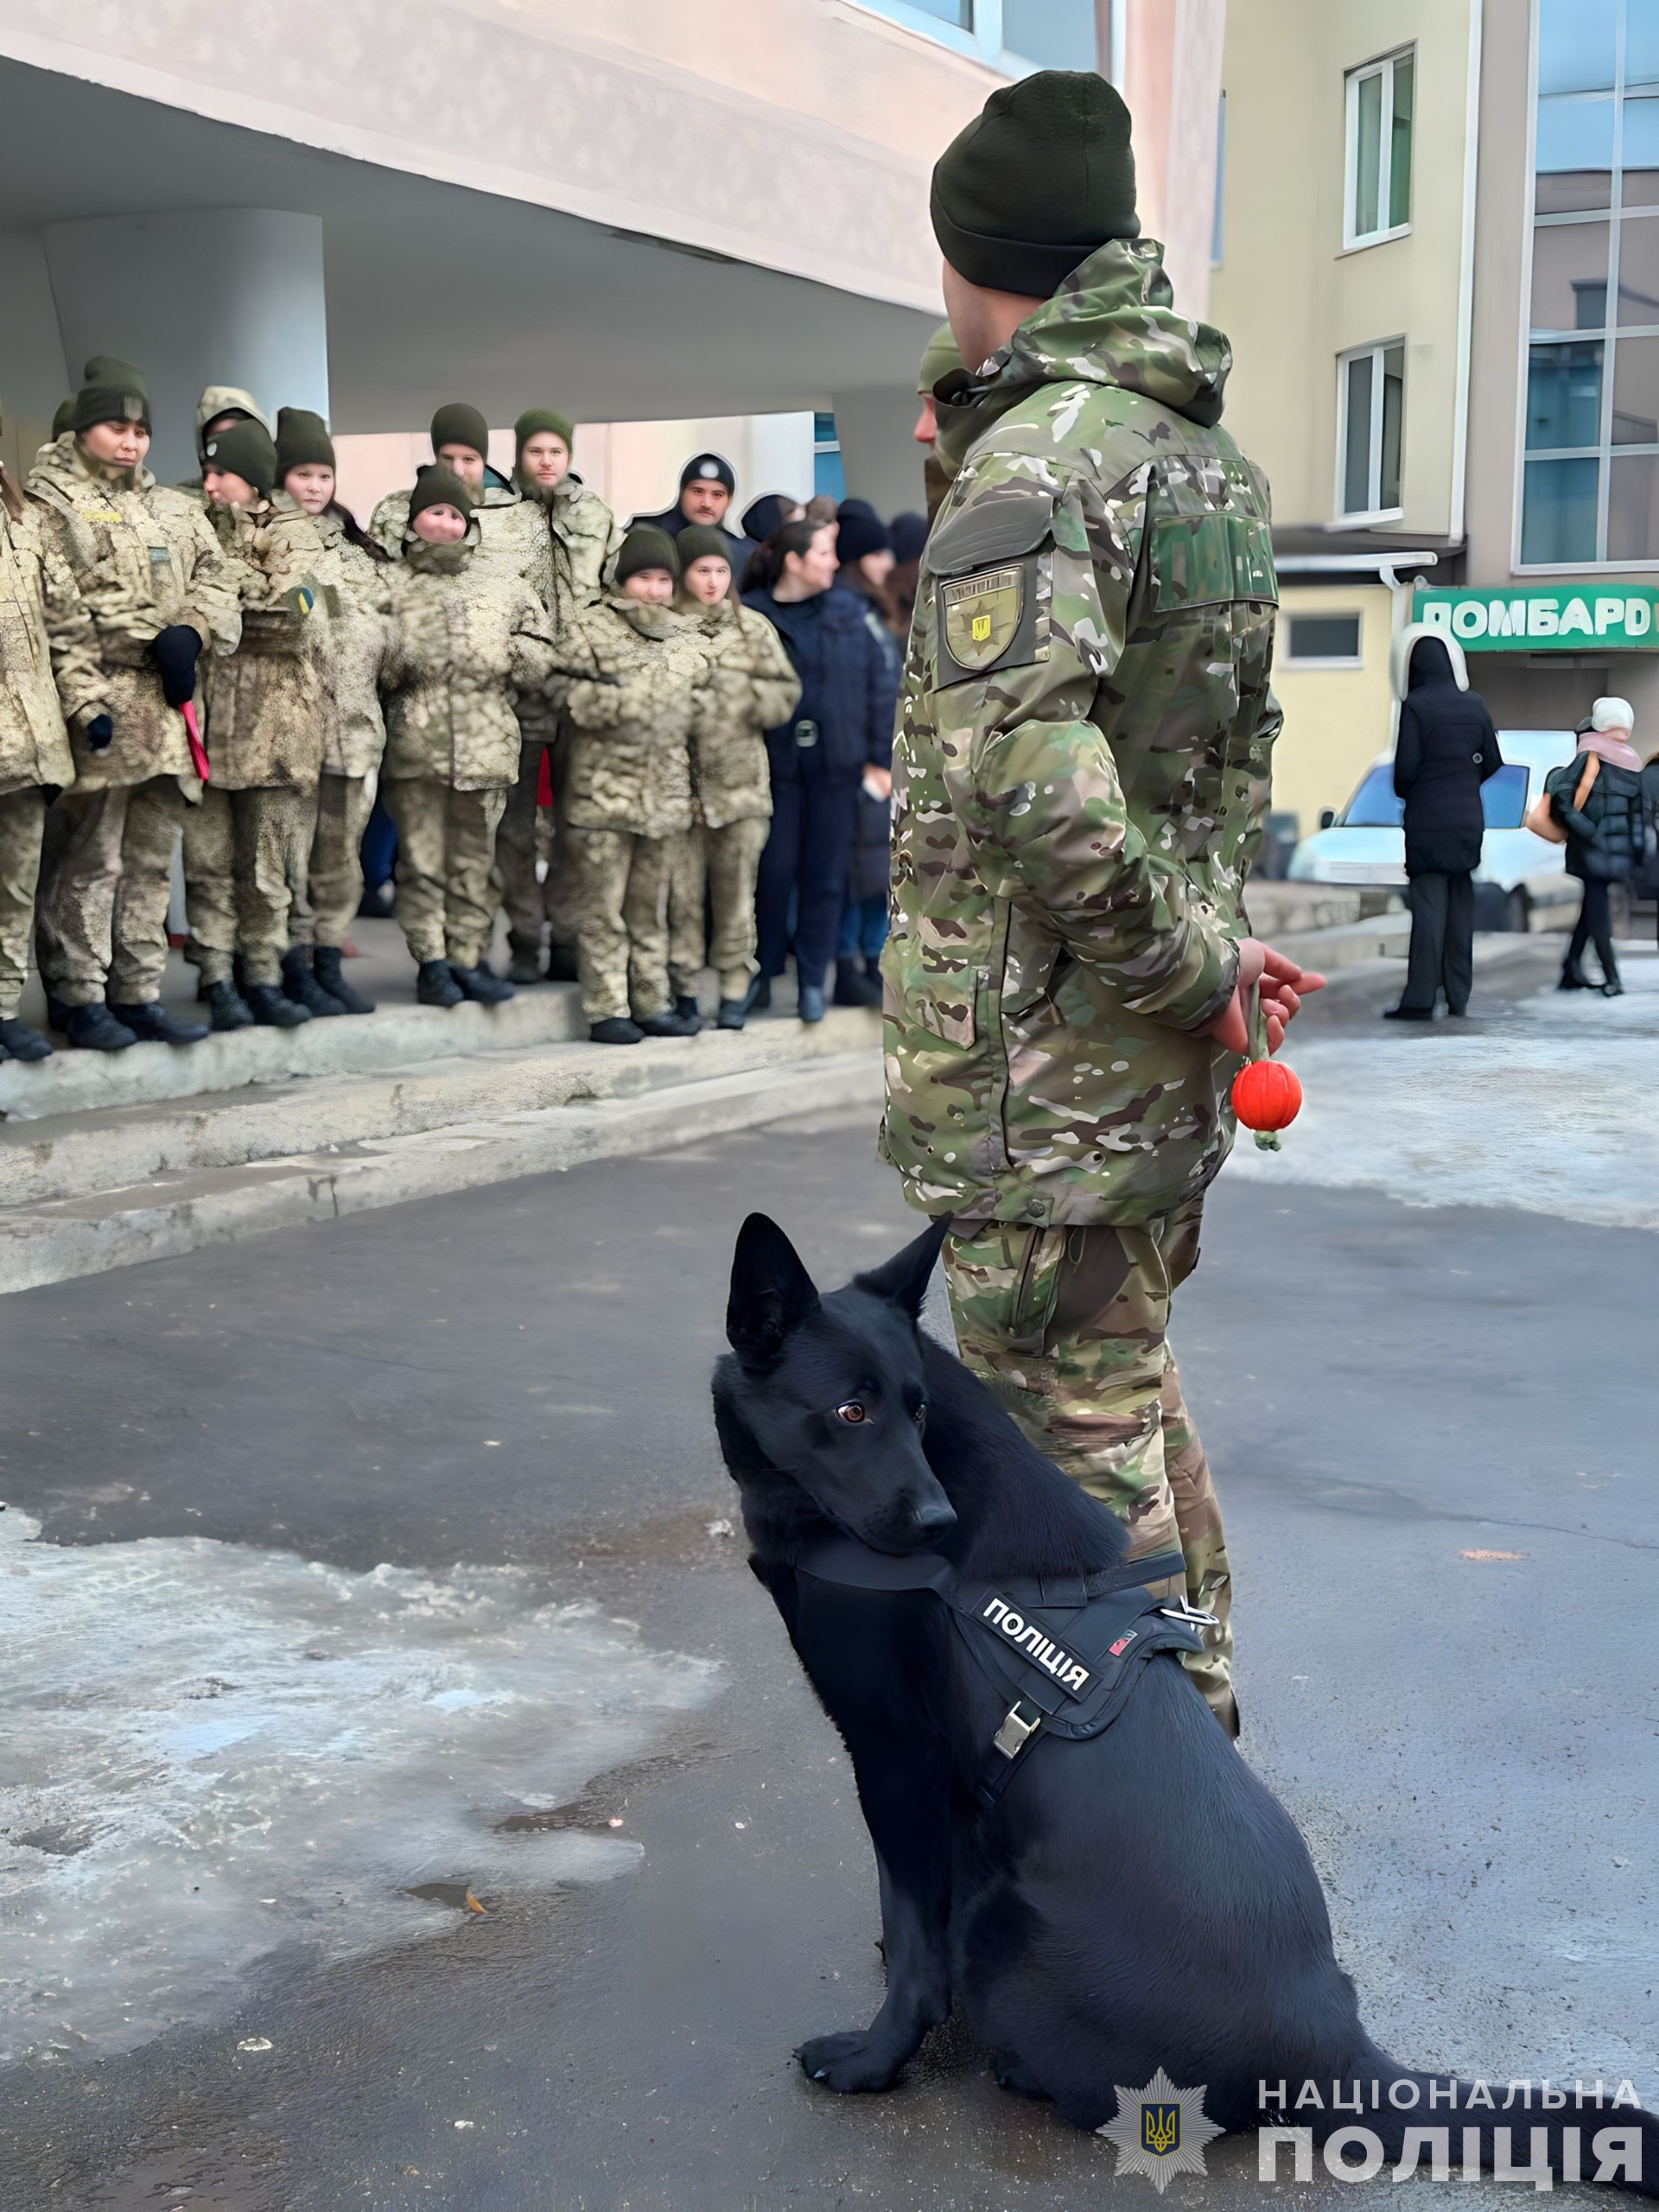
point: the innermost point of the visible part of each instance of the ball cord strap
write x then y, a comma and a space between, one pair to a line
1266, 1139
1266, 1095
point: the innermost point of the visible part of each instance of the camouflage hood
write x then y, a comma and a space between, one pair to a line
1111, 323
224, 399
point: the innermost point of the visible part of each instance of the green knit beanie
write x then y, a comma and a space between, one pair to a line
438, 486
534, 419
65, 418
458, 424
939, 360
698, 542
646, 547
110, 391
303, 441
246, 450
1039, 179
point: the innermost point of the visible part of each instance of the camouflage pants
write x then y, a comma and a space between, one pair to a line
330, 888
1070, 1327
621, 935
23, 821
536, 909
723, 865
446, 838
103, 908
242, 850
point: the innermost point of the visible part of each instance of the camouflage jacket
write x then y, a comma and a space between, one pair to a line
753, 687
356, 603
34, 742
583, 537
1079, 771
267, 704
511, 530
466, 635
142, 558
632, 690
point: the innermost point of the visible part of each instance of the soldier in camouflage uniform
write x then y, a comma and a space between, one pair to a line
159, 589
581, 539
753, 687
509, 531
36, 760
355, 604
633, 689
1079, 774
251, 837
468, 636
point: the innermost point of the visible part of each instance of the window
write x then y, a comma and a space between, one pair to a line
1370, 405
1590, 462
1378, 192
827, 472
1330, 640
1503, 798
1054, 33
1010, 36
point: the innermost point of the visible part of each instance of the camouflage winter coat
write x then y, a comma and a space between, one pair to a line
466, 635
356, 604
753, 687
267, 702
511, 530
34, 742
142, 558
582, 538
631, 690
1079, 770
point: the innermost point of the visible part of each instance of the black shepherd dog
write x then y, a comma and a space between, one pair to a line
1134, 1901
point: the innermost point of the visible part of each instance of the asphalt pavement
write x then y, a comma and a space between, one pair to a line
529, 1905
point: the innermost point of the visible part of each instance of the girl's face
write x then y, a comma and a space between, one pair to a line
815, 568
440, 525
708, 579
654, 587
876, 568
225, 489
311, 486
118, 445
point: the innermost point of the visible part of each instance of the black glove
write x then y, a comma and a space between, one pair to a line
101, 733
173, 652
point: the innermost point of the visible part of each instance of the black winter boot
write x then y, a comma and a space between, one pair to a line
853, 987
435, 985
670, 1024
95, 1029
562, 964
481, 984
525, 965
1572, 977
616, 1029
731, 1015
687, 1009
326, 967
19, 1042
303, 987
154, 1025
272, 1008
226, 1007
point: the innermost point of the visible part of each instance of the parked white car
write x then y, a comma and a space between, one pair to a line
1518, 874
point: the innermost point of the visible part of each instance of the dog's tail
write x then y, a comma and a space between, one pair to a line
1521, 2131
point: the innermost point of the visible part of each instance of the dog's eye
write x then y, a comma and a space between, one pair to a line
852, 1411
920, 1416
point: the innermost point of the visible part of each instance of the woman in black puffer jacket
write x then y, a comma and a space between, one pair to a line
1600, 800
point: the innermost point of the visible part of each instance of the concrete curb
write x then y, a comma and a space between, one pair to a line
55, 1241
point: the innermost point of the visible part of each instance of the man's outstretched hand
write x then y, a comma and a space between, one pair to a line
1283, 985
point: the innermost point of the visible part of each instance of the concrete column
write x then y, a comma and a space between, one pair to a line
31, 355
881, 461
227, 296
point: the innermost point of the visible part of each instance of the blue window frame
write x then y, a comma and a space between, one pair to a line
827, 474
1015, 35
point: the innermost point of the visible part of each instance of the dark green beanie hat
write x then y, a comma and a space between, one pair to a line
1039, 179
65, 418
646, 547
303, 441
246, 450
438, 486
110, 391
534, 419
698, 542
458, 424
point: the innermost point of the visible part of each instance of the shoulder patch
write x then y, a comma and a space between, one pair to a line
980, 616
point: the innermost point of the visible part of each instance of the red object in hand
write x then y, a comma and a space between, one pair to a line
544, 781
1266, 1095
192, 730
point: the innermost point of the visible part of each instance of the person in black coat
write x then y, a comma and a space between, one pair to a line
841, 732
1601, 800
1445, 749
707, 488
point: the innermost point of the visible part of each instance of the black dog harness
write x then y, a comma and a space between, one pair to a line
1067, 1650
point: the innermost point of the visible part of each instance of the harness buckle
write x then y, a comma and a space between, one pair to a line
1193, 1616
1021, 1724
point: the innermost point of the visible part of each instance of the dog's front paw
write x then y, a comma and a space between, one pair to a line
847, 2063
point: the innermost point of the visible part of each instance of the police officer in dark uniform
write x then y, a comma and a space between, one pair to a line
706, 487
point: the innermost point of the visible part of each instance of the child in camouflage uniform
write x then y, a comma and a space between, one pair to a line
753, 687
468, 634
633, 689
251, 837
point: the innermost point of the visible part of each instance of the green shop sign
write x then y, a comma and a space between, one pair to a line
1559, 617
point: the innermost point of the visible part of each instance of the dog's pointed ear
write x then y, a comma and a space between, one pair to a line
772, 1292
904, 1279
